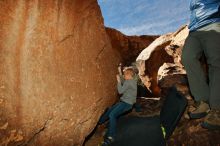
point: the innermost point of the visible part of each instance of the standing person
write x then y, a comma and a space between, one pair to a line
204, 39
128, 88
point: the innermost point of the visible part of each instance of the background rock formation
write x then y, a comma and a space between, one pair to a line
129, 46
165, 49
57, 71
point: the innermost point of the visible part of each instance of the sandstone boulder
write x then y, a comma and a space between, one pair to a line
57, 71
165, 49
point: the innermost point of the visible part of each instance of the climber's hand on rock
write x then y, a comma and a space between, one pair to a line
119, 69
118, 78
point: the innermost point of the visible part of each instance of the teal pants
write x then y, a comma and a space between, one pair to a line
205, 41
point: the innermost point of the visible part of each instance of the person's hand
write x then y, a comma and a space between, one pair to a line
120, 65
118, 78
119, 69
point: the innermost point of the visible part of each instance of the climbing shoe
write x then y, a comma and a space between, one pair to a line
107, 141
201, 110
212, 120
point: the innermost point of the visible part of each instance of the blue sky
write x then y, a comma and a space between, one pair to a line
150, 17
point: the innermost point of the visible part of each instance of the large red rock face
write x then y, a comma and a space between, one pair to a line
57, 71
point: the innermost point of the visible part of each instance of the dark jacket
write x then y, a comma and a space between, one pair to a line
203, 12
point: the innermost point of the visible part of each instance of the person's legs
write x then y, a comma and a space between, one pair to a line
211, 42
192, 53
121, 108
105, 115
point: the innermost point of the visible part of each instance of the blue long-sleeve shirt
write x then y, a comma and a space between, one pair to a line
128, 89
203, 12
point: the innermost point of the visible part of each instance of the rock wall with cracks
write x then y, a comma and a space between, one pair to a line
57, 71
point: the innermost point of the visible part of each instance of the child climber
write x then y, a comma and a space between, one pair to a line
126, 86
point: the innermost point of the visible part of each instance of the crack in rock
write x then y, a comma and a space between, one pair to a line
100, 52
65, 38
36, 133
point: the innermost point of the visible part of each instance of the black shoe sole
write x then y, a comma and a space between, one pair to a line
197, 116
209, 126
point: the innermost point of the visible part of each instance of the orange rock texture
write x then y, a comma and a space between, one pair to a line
57, 71
129, 47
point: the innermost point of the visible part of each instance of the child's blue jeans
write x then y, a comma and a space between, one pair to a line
112, 114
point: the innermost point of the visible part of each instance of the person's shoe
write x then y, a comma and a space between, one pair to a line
107, 141
212, 120
201, 111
